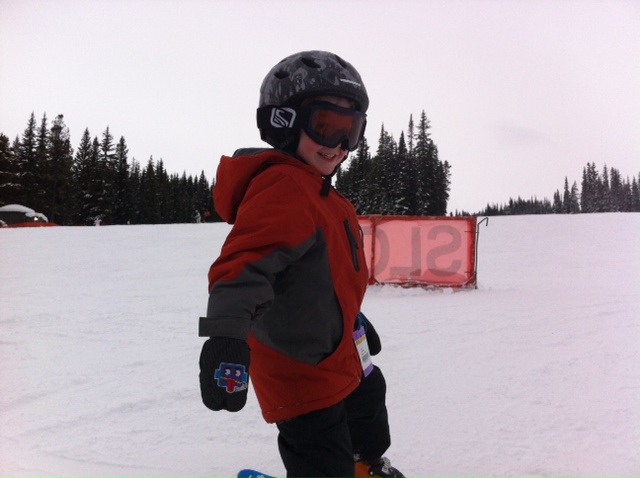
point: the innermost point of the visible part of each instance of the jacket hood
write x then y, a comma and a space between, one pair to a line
235, 174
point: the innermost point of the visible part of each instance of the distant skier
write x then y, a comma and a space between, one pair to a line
286, 291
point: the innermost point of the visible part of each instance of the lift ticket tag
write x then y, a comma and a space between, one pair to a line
360, 338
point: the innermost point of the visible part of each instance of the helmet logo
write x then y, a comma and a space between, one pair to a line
283, 117
354, 83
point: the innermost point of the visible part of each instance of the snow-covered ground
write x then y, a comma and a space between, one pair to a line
536, 373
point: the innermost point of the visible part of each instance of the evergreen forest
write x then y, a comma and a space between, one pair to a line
598, 192
40, 169
404, 178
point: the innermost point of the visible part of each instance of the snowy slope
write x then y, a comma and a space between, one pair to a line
537, 372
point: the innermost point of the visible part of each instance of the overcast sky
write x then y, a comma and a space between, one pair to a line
520, 94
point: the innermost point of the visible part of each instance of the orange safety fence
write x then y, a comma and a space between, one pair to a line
421, 251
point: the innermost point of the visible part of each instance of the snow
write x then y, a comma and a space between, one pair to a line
17, 208
535, 373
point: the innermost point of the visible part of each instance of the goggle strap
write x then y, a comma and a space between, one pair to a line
282, 117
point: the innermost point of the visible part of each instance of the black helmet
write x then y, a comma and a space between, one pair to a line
300, 76
312, 73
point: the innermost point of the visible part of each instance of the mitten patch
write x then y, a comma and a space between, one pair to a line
233, 377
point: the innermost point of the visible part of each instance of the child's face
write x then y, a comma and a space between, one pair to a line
324, 159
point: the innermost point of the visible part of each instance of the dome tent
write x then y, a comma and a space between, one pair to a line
16, 214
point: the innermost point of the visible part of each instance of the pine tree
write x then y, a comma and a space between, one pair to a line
603, 191
59, 188
635, 195
202, 194
91, 184
441, 184
27, 165
41, 176
557, 202
357, 178
9, 180
163, 205
617, 198
82, 172
342, 183
211, 206
149, 210
424, 167
410, 136
574, 199
105, 178
190, 193
566, 197
591, 189
404, 183
180, 197
412, 183
585, 193
96, 200
122, 205
135, 187
380, 196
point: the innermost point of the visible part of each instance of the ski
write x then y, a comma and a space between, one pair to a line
248, 473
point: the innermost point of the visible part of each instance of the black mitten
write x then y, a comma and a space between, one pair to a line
373, 339
224, 373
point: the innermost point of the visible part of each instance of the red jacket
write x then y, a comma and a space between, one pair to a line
290, 279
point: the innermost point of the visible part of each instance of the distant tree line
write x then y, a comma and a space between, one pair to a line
41, 171
404, 178
599, 192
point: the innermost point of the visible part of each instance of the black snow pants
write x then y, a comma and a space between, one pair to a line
323, 443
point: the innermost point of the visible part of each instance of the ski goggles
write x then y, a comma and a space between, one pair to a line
333, 126
325, 123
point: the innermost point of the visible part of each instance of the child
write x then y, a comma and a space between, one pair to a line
285, 293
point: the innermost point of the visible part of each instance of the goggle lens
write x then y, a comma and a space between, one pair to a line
332, 126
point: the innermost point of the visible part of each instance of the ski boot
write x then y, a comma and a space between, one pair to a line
380, 467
